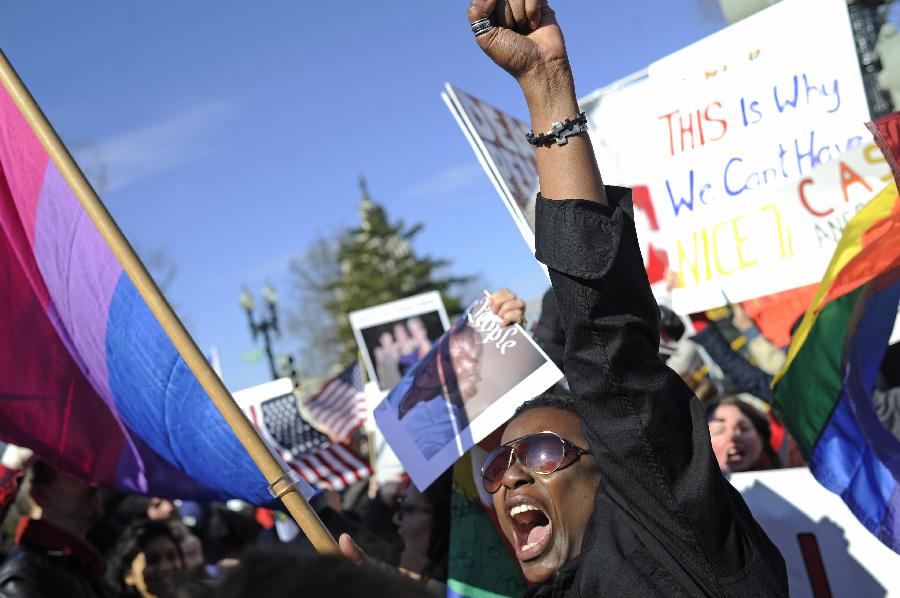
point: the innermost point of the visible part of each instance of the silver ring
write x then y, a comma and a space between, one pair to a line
482, 26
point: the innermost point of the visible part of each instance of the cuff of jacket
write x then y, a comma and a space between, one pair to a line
578, 237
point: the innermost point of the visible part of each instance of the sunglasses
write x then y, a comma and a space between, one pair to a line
542, 453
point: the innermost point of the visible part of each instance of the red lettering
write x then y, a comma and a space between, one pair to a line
668, 118
689, 130
850, 177
801, 191
712, 119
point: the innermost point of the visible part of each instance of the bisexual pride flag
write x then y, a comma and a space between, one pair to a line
826, 393
89, 380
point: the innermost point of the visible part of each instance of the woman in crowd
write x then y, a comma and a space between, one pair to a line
146, 562
741, 436
423, 521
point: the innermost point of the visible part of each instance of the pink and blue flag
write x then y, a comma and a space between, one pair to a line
88, 378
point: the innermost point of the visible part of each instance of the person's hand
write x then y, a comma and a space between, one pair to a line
508, 306
526, 40
351, 550
740, 319
672, 280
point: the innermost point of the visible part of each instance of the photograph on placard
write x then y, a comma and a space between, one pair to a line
393, 336
468, 385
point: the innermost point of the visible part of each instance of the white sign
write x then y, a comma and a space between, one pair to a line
393, 336
619, 116
498, 140
820, 539
469, 384
499, 143
747, 110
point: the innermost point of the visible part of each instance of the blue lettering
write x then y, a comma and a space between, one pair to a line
754, 112
769, 175
728, 188
814, 155
787, 102
813, 91
837, 96
853, 142
681, 201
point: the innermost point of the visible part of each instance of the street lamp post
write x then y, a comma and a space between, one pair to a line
267, 324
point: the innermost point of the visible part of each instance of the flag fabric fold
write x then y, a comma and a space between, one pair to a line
339, 408
89, 380
826, 390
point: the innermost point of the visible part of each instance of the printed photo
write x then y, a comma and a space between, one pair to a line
469, 384
394, 336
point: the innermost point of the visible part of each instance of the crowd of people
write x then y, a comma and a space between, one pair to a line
610, 484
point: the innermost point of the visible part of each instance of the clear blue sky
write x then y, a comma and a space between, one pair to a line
233, 133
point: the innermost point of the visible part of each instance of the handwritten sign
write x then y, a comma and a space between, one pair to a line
499, 142
753, 108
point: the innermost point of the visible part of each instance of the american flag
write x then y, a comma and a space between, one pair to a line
321, 462
340, 407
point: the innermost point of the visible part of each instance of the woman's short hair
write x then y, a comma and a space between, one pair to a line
552, 399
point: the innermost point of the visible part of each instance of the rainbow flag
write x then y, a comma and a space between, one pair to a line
88, 378
824, 393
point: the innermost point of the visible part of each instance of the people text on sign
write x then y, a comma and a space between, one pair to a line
491, 328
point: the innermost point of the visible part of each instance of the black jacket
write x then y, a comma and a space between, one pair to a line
48, 563
665, 521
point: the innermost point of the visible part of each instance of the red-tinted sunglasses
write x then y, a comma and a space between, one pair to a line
541, 453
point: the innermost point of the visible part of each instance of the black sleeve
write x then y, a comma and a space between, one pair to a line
20, 588
642, 422
746, 376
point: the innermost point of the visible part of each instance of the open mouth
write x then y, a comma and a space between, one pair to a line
735, 454
532, 529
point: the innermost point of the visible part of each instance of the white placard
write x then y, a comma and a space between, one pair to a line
790, 502
393, 336
499, 143
469, 385
745, 111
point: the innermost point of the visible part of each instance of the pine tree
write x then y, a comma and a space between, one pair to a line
376, 263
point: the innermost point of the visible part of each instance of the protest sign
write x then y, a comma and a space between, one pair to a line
498, 140
393, 336
468, 385
742, 112
827, 551
797, 227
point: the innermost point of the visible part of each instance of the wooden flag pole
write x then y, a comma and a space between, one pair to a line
274, 470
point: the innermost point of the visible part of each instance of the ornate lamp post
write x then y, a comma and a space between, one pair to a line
267, 324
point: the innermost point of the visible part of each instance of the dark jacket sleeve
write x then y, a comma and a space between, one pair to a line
642, 422
746, 376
